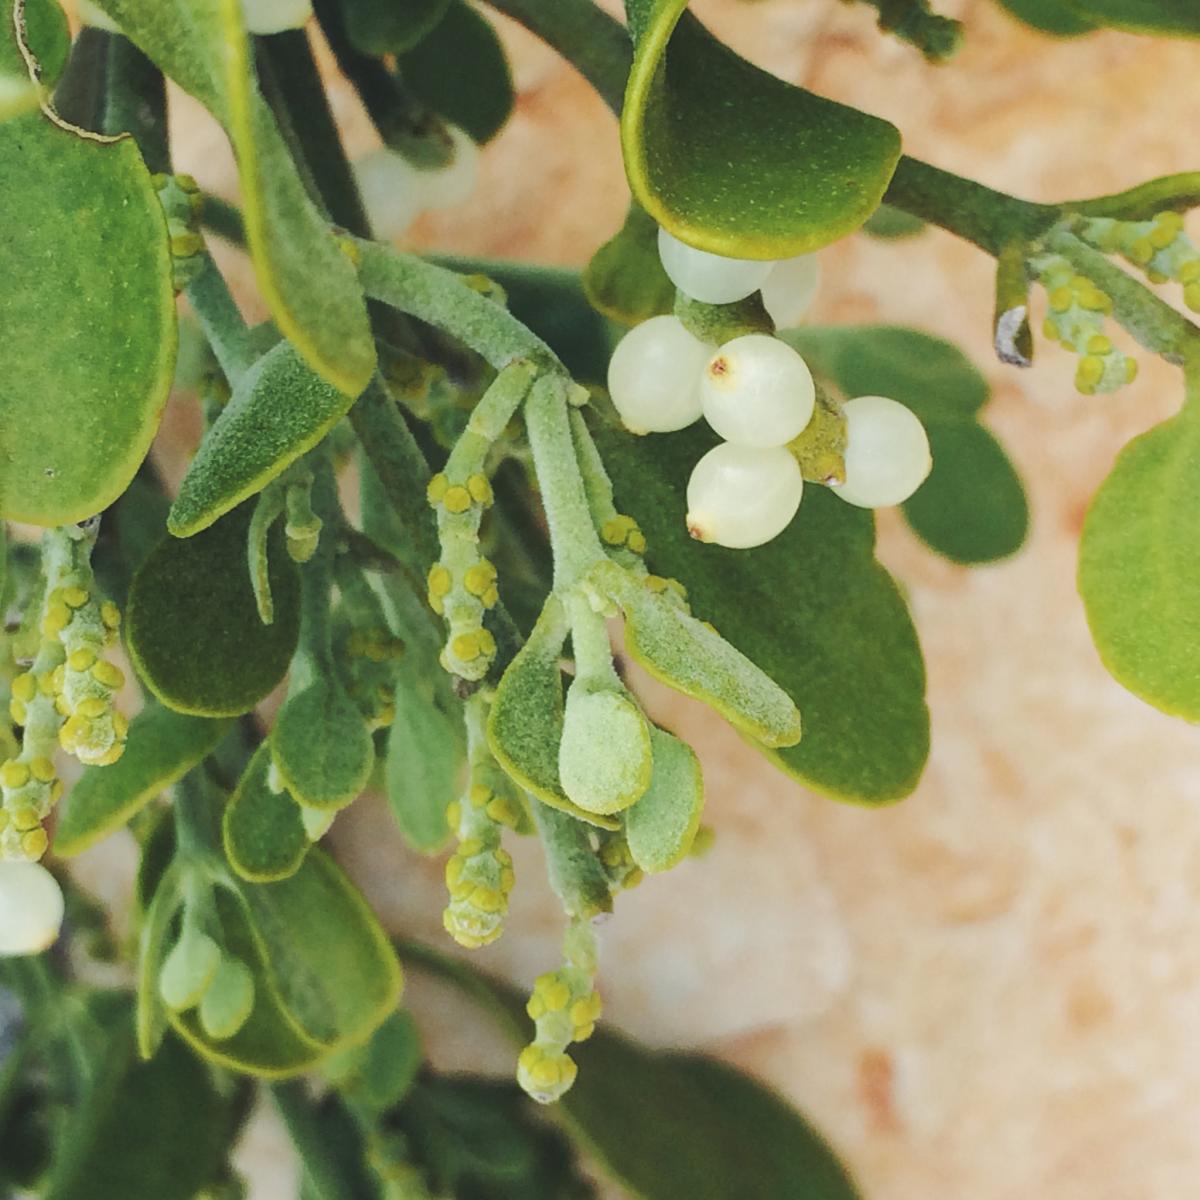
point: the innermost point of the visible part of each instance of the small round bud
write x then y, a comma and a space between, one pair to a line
757, 391
274, 16
887, 453
709, 278
392, 191
228, 1001
188, 970
791, 288
742, 497
654, 376
31, 908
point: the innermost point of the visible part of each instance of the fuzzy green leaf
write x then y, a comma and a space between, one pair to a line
192, 625
280, 409
1139, 574
382, 27
813, 608
426, 754
321, 746
262, 830
1173, 17
972, 508
309, 283
89, 335
162, 747
625, 279
694, 659
732, 159
461, 71
661, 826
526, 720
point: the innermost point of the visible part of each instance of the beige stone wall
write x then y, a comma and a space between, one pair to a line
992, 990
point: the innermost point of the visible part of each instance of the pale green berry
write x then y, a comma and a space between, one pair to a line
188, 970
392, 191
604, 755
710, 278
274, 16
654, 376
757, 391
228, 1001
31, 908
791, 288
887, 453
740, 497
453, 183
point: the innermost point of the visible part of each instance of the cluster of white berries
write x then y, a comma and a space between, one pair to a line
758, 394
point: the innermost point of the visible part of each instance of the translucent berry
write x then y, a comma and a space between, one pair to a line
453, 183
887, 453
392, 191
741, 497
31, 908
654, 376
274, 16
709, 278
757, 391
791, 288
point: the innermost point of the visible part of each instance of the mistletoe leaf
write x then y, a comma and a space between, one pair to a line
733, 160
89, 335
192, 625
426, 753
1058, 17
1139, 575
280, 409
262, 831
379, 27
309, 283
972, 508
661, 826
813, 608
162, 747
1172, 17
625, 280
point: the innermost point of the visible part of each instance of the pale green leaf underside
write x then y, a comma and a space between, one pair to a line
263, 834
661, 826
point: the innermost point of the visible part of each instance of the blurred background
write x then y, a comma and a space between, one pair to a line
992, 989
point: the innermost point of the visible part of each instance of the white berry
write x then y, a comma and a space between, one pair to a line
31, 908
274, 16
392, 191
741, 497
887, 453
790, 289
757, 391
654, 376
709, 278
446, 186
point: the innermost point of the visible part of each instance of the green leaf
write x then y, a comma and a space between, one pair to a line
157, 1130
1139, 574
735, 161
48, 37
1059, 17
377, 1075
1142, 16
89, 335
309, 283
325, 975
461, 71
262, 830
192, 625
695, 659
813, 608
280, 409
661, 826
890, 224
625, 280
321, 746
972, 508
154, 944
526, 720
162, 747
380, 27
426, 754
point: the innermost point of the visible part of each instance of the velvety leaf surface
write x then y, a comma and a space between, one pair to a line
163, 746
732, 159
263, 834
1139, 573
661, 826
309, 283
625, 280
280, 409
812, 608
972, 508
461, 71
89, 333
193, 628
382, 27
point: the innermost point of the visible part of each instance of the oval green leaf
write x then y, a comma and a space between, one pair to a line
661, 826
1171, 17
262, 830
192, 625
625, 280
380, 27
162, 747
1058, 17
733, 160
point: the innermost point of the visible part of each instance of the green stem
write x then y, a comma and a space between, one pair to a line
222, 321
574, 871
314, 656
303, 1121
